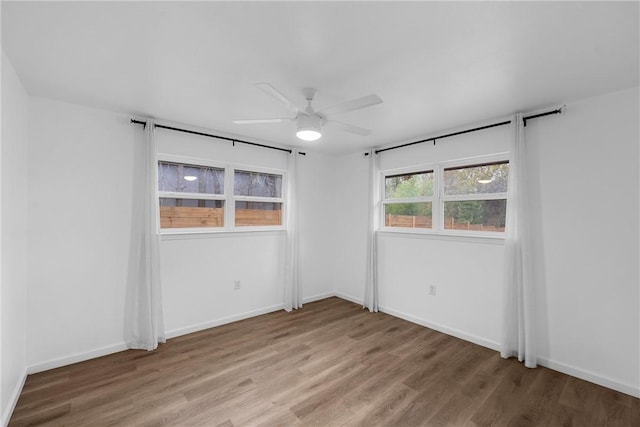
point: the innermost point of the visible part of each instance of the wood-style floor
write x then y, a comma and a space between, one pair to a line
330, 363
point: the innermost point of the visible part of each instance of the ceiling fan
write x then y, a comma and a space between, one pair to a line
309, 122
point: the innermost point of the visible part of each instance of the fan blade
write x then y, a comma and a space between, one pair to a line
272, 91
355, 104
259, 121
350, 128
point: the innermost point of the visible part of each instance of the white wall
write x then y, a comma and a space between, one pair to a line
584, 174
13, 280
468, 284
80, 173
351, 206
316, 222
198, 275
587, 252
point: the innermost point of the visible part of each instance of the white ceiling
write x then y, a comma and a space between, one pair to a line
435, 65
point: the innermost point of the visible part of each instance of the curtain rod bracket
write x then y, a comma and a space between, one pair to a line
139, 122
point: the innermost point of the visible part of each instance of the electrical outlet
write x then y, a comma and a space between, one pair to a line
236, 284
432, 290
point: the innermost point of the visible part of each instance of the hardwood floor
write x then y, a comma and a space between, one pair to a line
330, 363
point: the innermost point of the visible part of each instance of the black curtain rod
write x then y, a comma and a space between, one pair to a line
233, 140
444, 136
433, 139
547, 113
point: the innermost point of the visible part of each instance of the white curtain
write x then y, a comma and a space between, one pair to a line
518, 331
292, 287
371, 281
144, 325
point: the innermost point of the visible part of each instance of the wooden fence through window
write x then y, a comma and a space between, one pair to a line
419, 221
192, 217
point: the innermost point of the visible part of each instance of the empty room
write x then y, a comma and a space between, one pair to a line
322, 213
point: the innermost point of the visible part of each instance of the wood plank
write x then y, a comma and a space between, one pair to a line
247, 217
183, 217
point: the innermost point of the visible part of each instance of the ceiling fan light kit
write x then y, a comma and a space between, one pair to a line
309, 123
309, 127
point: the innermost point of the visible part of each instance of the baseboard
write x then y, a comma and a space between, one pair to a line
318, 297
349, 298
115, 348
590, 376
223, 321
556, 366
75, 358
13, 400
441, 328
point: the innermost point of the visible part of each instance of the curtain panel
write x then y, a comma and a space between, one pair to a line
144, 323
371, 280
292, 286
518, 332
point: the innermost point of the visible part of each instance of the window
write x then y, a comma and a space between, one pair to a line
258, 198
194, 197
408, 200
456, 197
475, 197
190, 196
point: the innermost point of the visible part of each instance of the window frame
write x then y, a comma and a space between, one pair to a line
430, 168
439, 198
228, 197
233, 198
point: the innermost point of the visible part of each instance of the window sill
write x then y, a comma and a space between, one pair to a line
209, 233
487, 237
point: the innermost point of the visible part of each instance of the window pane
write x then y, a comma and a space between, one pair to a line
477, 179
258, 213
257, 184
419, 184
477, 215
189, 213
408, 215
183, 178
